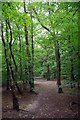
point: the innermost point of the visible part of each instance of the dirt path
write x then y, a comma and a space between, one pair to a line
46, 104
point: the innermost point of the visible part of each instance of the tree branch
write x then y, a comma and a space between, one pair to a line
2, 34
40, 21
8, 22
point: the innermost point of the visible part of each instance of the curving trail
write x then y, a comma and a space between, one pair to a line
46, 104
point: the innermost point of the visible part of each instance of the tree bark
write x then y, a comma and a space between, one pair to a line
48, 72
71, 51
12, 55
78, 46
8, 80
30, 64
72, 73
57, 53
10, 45
20, 58
47, 66
32, 82
15, 100
20, 51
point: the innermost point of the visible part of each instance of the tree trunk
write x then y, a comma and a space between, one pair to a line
10, 45
47, 66
78, 46
8, 80
48, 72
72, 74
32, 82
26, 73
15, 100
20, 58
21, 61
20, 50
30, 64
12, 55
71, 48
58, 66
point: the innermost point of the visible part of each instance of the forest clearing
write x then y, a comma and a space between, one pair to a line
40, 55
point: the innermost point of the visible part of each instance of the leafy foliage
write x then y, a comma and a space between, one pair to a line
61, 21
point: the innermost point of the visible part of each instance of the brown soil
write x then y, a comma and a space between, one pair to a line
48, 103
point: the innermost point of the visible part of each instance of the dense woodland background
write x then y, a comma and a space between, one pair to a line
40, 39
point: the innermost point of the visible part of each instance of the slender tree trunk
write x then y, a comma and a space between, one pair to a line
12, 86
15, 100
28, 54
20, 51
20, 59
72, 73
32, 82
48, 72
8, 80
58, 66
10, 45
71, 48
78, 84
5, 52
48, 68
12, 55
27, 49
30, 64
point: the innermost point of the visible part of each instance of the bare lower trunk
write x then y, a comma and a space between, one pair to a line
8, 80
48, 72
72, 74
58, 67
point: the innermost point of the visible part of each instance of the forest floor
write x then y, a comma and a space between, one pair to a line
48, 103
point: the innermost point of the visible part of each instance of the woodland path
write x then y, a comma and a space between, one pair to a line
46, 104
